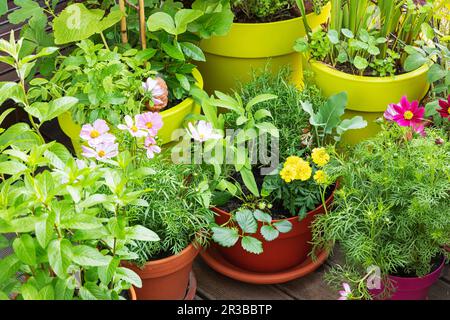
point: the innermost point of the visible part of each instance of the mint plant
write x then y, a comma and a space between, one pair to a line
244, 225
64, 247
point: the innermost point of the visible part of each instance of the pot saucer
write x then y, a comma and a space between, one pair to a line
214, 259
192, 287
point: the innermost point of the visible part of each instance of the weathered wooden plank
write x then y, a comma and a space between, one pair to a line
446, 274
440, 291
311, 287
213, 286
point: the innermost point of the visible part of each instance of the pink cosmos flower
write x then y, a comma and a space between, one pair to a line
101, 151
160, 94
407, 114
346, 293
131, 127
444, 111
152, 148
96, 133
202, 131
151, 122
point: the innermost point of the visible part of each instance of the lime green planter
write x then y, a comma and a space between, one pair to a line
250, 46
173, 119
369, 96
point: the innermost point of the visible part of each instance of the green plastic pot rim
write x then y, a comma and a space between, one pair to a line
326, 68
186, 102
275, 23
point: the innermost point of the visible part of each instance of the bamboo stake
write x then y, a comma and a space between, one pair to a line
142, 27
123, 23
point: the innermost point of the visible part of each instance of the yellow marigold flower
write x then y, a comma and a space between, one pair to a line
321, 177
295, 168
303, 170
292, 160
288, 173
320, 156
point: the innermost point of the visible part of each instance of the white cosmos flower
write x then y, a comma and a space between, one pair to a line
203, 131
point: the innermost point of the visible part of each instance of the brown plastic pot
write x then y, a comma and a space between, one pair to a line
288, 250
165, 279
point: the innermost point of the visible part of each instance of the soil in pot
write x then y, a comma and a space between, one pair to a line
167, 278
290, 11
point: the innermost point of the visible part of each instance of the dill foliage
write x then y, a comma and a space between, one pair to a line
178, 209
393, 207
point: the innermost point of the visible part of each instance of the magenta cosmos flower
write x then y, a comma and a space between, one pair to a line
202, 131
346, 293
151, 147
444, 111
407, 114
96, 133
150, 122
101, 151
132, 128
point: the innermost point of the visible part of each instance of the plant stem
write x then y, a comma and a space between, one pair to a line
104, 40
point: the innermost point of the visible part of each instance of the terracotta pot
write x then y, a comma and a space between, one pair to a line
288, 250
132, 294
166, 279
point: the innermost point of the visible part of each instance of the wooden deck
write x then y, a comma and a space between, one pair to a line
214, 286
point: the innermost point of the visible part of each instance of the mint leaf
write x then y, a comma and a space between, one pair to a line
141, 233
226, 237
3, 7
25, 250
88, 256
129, 276
252, 245
246, 221
4, 242
59, 256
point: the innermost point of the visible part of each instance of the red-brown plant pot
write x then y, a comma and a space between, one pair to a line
288, 250
165, 279
132, 294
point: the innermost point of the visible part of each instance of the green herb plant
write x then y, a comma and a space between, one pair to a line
63, 248
326, 122
392, 209
107, 84
179, 212
367, 38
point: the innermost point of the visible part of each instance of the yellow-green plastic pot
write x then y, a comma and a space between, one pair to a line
230, 59
173, 119
369, 96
